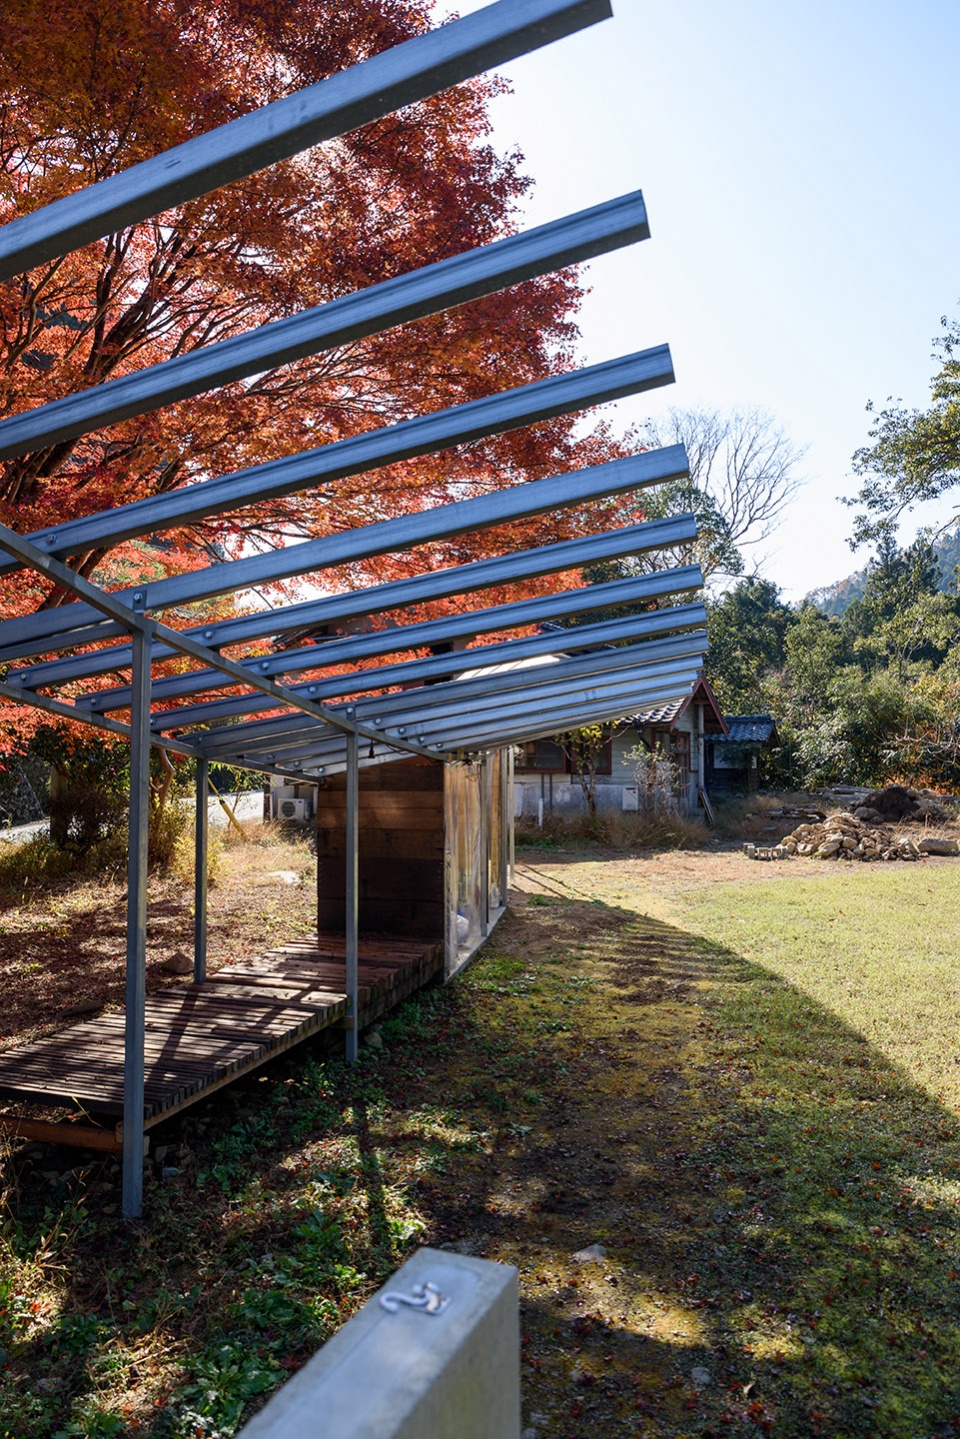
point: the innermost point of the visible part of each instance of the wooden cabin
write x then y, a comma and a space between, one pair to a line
434, 840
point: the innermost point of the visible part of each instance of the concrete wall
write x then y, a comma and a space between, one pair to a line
408, 1374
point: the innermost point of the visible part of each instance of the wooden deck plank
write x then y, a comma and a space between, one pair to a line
200, 1037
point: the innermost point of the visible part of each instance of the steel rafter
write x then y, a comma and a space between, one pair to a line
633, 472
407, 73
410, 707
568, 708
393, 595
426, 291
351, 649
152, 630
435, 666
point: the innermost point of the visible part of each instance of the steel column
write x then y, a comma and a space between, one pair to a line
512, 822
136, 973
200, 876
352, 917
506, 799
484, 846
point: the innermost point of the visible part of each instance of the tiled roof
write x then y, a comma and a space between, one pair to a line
663, 714
748, 729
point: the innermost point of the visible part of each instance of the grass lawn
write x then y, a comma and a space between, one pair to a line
739, 1084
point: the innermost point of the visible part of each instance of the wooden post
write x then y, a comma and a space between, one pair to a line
136, 972
352, 916
200, 876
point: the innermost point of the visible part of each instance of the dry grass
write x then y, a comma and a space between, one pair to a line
63, 932
623, 832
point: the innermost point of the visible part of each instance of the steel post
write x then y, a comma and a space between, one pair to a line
352, 917
136, 973
200, 877
511, 823
484, 845
506, 810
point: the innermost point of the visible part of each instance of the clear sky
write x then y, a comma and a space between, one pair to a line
799, 162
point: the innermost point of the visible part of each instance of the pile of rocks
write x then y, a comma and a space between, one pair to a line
848, 836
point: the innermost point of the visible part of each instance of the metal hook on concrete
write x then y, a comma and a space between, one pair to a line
426, 1297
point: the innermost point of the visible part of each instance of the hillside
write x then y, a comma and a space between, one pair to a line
835, 599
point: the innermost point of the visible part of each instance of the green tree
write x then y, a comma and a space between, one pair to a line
903, 616
914, 454
748, 627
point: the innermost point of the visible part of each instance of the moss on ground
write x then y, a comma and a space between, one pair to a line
777, 1198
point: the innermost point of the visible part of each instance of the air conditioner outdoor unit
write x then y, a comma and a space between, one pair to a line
292, 809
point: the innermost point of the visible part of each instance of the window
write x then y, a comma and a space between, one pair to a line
542, 756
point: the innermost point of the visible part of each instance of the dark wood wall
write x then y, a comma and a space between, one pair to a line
401, 850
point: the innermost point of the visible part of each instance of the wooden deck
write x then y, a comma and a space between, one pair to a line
202, 1036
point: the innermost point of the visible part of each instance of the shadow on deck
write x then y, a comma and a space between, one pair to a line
201, 1036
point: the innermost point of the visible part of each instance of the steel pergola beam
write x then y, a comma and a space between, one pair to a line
640, 471
152, 630
394, 595
567, 708
351, 649
400, 76
393, 716
431, 668
426, 434
426, 291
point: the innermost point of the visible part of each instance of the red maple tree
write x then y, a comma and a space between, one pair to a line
95, 86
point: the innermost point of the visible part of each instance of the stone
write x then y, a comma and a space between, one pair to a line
591, 1255
460, 1246
828, 848
701, 1377
177, 963
938, 845
169, 1172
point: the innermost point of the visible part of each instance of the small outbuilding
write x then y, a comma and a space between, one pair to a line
733, 758
433, 847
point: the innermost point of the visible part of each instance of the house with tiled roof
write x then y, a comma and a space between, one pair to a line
545, 780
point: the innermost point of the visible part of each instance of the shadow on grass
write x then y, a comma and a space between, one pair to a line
778, 1205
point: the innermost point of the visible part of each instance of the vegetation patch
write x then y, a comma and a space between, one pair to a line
774, 1197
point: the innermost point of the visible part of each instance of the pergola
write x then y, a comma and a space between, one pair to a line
323, 723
